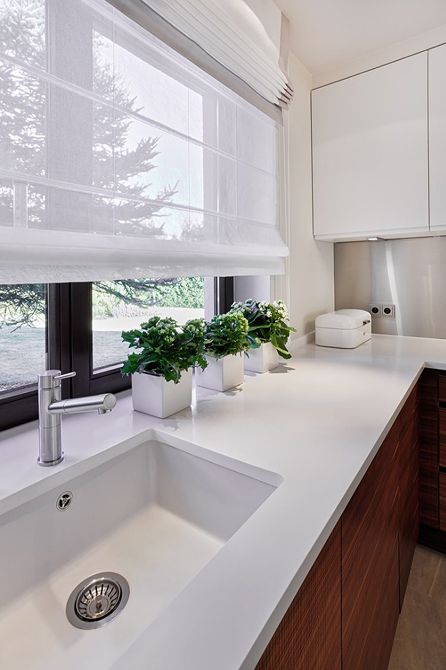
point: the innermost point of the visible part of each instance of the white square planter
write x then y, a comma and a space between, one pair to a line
153, 395
221, 374
262, 359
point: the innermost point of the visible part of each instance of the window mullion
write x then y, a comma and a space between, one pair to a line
81, 336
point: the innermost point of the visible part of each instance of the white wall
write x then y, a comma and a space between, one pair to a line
311, 266
270, 16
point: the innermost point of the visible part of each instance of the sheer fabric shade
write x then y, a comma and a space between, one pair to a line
231, 33
119, 159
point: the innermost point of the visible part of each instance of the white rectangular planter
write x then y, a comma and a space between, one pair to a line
153, 395
221, 374
262, 359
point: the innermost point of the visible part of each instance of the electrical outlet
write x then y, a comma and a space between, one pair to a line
375, 310
389, 311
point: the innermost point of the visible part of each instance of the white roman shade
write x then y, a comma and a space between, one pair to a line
232, 34
120, 159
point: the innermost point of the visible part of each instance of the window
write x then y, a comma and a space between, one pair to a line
119, 158
78, 327
123, 305
23, 341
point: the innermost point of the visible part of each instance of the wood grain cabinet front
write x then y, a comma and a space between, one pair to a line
409, 487
428, 435
309, 636
346, 612
442, 477
370, 577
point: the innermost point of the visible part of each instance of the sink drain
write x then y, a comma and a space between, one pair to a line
97, 600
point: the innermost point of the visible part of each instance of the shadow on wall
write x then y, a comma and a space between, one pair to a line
410, 274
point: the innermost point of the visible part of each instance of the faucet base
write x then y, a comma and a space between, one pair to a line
48, 464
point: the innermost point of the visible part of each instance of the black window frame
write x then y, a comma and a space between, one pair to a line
70, 348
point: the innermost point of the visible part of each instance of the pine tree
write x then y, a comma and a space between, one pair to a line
23, 148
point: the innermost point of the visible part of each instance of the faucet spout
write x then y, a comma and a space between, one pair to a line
95, 403
51, 406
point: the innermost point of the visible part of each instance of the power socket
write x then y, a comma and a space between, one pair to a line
375, 310
389, 311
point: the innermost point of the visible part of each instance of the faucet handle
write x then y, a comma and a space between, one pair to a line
50, 379
67, 375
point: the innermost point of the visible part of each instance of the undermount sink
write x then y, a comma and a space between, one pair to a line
155, 515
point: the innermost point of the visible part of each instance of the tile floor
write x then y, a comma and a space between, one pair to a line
420, 641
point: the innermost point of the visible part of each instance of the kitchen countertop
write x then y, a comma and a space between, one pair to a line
316, 422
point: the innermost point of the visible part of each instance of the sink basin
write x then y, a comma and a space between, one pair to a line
156, 515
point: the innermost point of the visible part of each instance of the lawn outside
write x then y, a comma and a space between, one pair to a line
23, 350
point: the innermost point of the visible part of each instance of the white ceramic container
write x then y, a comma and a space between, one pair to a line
222, 374
262, 359
153, 395
343, 328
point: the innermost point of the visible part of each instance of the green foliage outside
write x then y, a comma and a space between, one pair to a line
165, 348
24, 135
185, 292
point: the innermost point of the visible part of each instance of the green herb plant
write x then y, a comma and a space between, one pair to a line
165, 349
226, 335
268, 322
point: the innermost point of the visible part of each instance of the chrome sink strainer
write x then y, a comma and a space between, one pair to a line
97, 600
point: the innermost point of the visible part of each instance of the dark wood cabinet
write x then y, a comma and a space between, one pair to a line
428, 435
441, 384
433, 459
309, 636
442, 479
370, 573
442, 435
346, 612
409, 486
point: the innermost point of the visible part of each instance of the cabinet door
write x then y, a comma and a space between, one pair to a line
370, 572
437, 137
370, 153
309, 636
429, 431
409, 487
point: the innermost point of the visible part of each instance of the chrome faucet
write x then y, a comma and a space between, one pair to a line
51, 406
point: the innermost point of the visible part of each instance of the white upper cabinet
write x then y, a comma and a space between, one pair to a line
370, 153
437, 137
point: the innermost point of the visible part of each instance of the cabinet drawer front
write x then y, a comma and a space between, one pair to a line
428, 433
442, 478
442, 436
442, 388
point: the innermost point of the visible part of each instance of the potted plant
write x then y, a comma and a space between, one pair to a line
269, 333
161, 366
226, 339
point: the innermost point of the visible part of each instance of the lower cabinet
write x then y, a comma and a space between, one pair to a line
442, 477
429, 449
409, 487
433, 459
370, 572
346, 612
309, 636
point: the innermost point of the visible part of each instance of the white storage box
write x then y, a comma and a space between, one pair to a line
344, 328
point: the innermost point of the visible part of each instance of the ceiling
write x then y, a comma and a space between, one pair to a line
329, 33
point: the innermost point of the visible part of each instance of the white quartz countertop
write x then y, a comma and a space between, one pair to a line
316, 422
